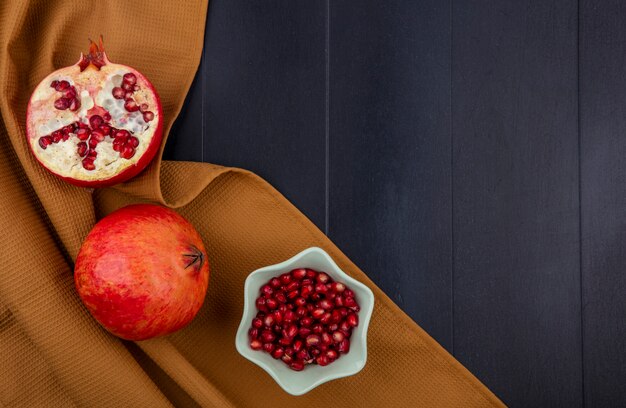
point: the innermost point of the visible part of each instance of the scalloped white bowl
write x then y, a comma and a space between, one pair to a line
301, 382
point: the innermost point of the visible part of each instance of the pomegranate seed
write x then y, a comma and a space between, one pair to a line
289, 351
61, 85
303, 332
282, 308
257, 323
98, 135
256, 345
285, 341
344, 346
93, 142
321, 288
82, 125
286, 358
267, 290
344, 326
128, 95
278, 317
315, 296
317, 328
306, 290
326, 338
325, 304
313, 340
333, 327
350, 302
301, 311
339, 301
117, 145
292, 330
92, 154
268, 347
54, 84
129, 78
106, 116
309, 307
348, 293
267, 336
44, 141
268, 321
338, 336
332, 355
285, 278
130, 105
118, 93
318, 313
298, 274
271, 303
306, 322
69, 93
316, 352
95, 121
136, 88
105, 129
56, 136
289, 316
253, 333
148, 116
143, 107
306, 281
352, 320
82, 148
338, 287
322, 361
311, 274
297, 365
127, 153
74, 105
303, 355
335, 316
122, 134
61, 104
127, 87
280, 296
292, 286
322, 277
260, 304
293, 294
275, 283
278, 352
88, 164
326, 318
343, 311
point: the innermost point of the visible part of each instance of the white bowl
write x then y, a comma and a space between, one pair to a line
301, 382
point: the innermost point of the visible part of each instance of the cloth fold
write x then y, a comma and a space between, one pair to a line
52, 353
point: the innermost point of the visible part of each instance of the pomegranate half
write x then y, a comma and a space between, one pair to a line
95, 123
142, 272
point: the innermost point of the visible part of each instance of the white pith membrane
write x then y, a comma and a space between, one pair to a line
94, 89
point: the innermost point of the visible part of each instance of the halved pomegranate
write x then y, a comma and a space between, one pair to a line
96, 123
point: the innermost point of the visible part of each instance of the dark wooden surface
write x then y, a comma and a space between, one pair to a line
469, 156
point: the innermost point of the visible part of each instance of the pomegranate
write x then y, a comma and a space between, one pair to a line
142, 272
304, 317
95, 123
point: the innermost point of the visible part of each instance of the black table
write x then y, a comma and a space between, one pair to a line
470, 156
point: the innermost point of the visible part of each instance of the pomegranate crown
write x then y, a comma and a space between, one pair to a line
96, 57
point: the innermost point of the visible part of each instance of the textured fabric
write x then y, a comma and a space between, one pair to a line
53, 353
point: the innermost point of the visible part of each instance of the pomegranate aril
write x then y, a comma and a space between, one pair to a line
253, 333
344, 346
117, 145
122, 133
57, 136
321, 288
303, 332
338, 336
143, 107
118, 93
278, 352
268, 321
54, 84
315, 296
148, 116
313, 340
339, 301
136, 88
127, 87
326, 318
286, 358
345, 326
350, 302
275, 283
285, 278
317, 313
282, 308
322, 361
298, 274
267, 336
268, 347
322, 277
325, 304
61, 104
93, 142
300, 301
285, 341
256, 345
74, 104
333, 327
97, 135
280, 296
95, 121
343, 311
316, 352
297, 365
267, 290
127, 153
332, 355
271, 303
335, 316
306, 321
61, 85
352, 320
106, 117
292, 286
260, 304
303, 355
69, 93
293, 294
326, 338
45, 141
88, 164
348, 293
130, 105
291, 330
338, 287
306, 290
289, 352
278, 317
301, 311
82, 148
307, 281
129, 78
257, 323
317, 328
311, 274
105, 129
289, 316
128, 95
309, 307
92, 154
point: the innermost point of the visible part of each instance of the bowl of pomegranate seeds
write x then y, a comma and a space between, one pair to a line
305, 321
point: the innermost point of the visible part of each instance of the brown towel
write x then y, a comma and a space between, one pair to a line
52, 353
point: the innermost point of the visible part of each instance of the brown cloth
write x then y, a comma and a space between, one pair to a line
53, 353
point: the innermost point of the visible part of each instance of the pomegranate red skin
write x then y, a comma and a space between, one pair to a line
142, 272
128, 173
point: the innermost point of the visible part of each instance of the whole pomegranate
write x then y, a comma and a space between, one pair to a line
142, 272
95, 123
